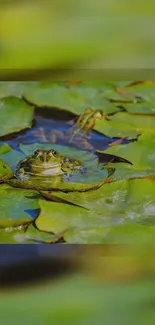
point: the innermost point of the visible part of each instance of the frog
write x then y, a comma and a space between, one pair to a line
48, 170
78, 134
85, 123
47, 163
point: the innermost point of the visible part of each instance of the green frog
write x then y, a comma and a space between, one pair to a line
78, 135
46, 164
47, 170
85, 123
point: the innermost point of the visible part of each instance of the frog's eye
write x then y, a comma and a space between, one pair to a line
36, 153
53, 153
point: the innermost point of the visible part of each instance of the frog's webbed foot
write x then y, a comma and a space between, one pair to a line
21, 175
67, 176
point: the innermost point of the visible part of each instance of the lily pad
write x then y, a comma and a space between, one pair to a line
14, 88
12, 157
10, 235
71, 98
15, 115
142, 155
124, 125
127, 202
31, 235
17, 207
4, 148
143, 90
5, 171
133, 233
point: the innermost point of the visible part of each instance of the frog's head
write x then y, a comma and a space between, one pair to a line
47, 163
45, 158
42, 162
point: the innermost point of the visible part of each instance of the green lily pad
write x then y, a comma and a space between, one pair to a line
12, 157
124, 125
5, 171
127, 202
17, 207
141, 154
10, 234
146, 91
143, 107
4, 148
15, 88
73, 98
143, 89
15, 115
24, 234
133, 233
29, 235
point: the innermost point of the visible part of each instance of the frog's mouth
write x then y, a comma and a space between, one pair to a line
47, 170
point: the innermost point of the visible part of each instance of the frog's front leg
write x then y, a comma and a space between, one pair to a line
20, 170
21, 175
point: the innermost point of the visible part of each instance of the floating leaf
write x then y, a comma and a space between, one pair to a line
17, 207
124, 125
119, 203
5, 171
142, 155
73, 99
4, 148
15, 88
15, 115
144, 91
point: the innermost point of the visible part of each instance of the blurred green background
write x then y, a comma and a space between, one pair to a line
104, 285
76, 35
